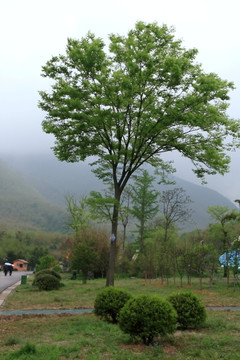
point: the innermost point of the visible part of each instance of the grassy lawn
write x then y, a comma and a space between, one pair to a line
86, 337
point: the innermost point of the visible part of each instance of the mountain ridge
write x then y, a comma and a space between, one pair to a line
23, 207
52, 181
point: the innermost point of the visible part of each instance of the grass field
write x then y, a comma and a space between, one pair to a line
54, 337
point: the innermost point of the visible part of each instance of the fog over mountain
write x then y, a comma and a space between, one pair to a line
24, 207
212, 27
56, 180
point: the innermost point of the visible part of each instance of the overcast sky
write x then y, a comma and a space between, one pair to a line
32, 31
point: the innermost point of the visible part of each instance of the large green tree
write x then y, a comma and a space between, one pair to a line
89, 252
127, 105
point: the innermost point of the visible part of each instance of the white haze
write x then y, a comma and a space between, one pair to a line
33, 31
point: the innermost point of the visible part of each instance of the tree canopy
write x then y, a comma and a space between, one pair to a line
127, 105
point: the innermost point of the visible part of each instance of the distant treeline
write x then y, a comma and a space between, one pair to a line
31, 245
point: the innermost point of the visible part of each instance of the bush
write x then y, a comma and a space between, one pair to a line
147, 317
109, 302
47, 282
50, 272
190, 311
58, 269
46, 262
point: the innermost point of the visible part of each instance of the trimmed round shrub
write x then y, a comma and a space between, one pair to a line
44, 272
147, 317
109, 302
49, 271
190, 311
47, 282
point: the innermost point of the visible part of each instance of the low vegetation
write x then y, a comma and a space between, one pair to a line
88, 337
190, 311
47, 282
146, 317
109, 302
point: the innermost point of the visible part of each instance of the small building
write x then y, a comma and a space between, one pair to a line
20, 265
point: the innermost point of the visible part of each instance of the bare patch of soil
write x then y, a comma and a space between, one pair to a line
136, 348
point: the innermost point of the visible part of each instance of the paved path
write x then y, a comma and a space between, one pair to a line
8, 283
46, 312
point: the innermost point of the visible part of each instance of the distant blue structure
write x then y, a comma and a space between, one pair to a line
230, 258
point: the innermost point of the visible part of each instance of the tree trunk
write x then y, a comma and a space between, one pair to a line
211, 279
84, 278
124, 234
111, 267
113, 248
142, 236
200, 280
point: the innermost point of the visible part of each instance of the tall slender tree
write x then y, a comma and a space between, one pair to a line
225, 218
79, 215
175, 208
126, 106
145, 202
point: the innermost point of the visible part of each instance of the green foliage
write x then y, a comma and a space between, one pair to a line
26, 350
35, 254
146, 317
12, 340
22, 206
145, 204
57, 269
79, 215
140, 105
224, 227
48, 271
46, 262
128, 105
190, 311
89, 252
47, 282
84, 258
31, 245
109, 302
101, 205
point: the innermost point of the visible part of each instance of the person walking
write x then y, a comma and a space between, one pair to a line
5, 269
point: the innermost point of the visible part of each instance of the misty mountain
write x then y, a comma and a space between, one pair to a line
23, 207
202, 197
53, 181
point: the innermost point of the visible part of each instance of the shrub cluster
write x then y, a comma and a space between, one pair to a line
109, 302
149, 316
47, 279
191, 313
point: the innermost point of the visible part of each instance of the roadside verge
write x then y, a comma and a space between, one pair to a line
5, 293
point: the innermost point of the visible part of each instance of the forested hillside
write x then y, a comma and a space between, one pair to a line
46, 178
22, 207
